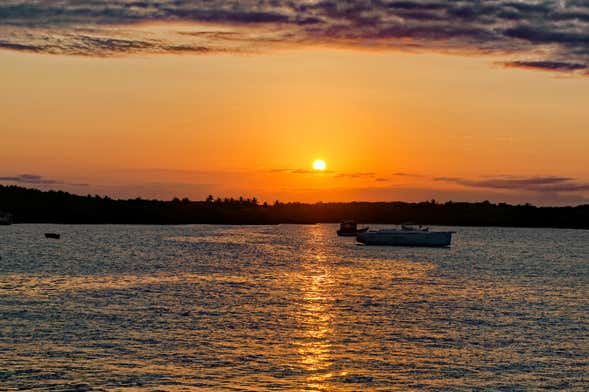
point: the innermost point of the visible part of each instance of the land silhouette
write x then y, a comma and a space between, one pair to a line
35, 206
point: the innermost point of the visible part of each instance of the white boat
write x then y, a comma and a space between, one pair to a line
406, 237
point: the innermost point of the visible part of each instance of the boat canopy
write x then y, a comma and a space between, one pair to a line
348, 224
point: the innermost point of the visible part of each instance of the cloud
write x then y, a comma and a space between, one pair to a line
355, 175
35, 180
547, 184
417, 194
300, 171
546, 65
404, 174
85, 43
550, 34
336, 174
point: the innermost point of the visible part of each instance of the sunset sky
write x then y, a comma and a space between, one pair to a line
404, 100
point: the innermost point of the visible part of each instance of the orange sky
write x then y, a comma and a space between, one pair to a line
389, 125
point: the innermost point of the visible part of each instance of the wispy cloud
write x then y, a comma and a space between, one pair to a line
416, 194
336, 174
404, 174
546, 184
548, 35
301, 171
35, 179
546, 65
355, 175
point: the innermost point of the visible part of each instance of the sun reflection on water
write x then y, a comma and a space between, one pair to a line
315, 317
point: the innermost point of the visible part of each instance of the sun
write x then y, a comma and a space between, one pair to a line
319, 165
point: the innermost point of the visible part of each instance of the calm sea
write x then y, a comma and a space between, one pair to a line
291, 308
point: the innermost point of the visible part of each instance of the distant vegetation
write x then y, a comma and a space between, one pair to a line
35, 206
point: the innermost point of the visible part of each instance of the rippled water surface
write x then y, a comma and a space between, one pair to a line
293, 308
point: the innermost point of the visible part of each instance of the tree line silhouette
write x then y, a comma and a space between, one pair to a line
36, 206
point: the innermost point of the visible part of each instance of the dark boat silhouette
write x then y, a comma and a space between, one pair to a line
54, 236
5, 218
349, 228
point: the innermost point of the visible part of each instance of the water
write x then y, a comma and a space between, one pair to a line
290, 308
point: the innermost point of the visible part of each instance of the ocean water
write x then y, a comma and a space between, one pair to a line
291, 308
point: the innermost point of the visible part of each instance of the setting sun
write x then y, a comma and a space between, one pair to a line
319, 164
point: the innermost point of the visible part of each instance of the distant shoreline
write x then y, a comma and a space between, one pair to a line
278, 224
56, 207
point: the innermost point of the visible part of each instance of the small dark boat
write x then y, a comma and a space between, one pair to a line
5, 218
350, 229
54, 236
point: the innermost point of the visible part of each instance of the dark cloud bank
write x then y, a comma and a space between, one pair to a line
35, 179
546, 35
530, 184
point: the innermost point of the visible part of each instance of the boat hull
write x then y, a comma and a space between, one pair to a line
406, 238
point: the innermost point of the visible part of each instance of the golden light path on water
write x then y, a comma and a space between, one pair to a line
316, 318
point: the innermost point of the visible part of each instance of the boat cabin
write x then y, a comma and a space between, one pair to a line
349, 226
